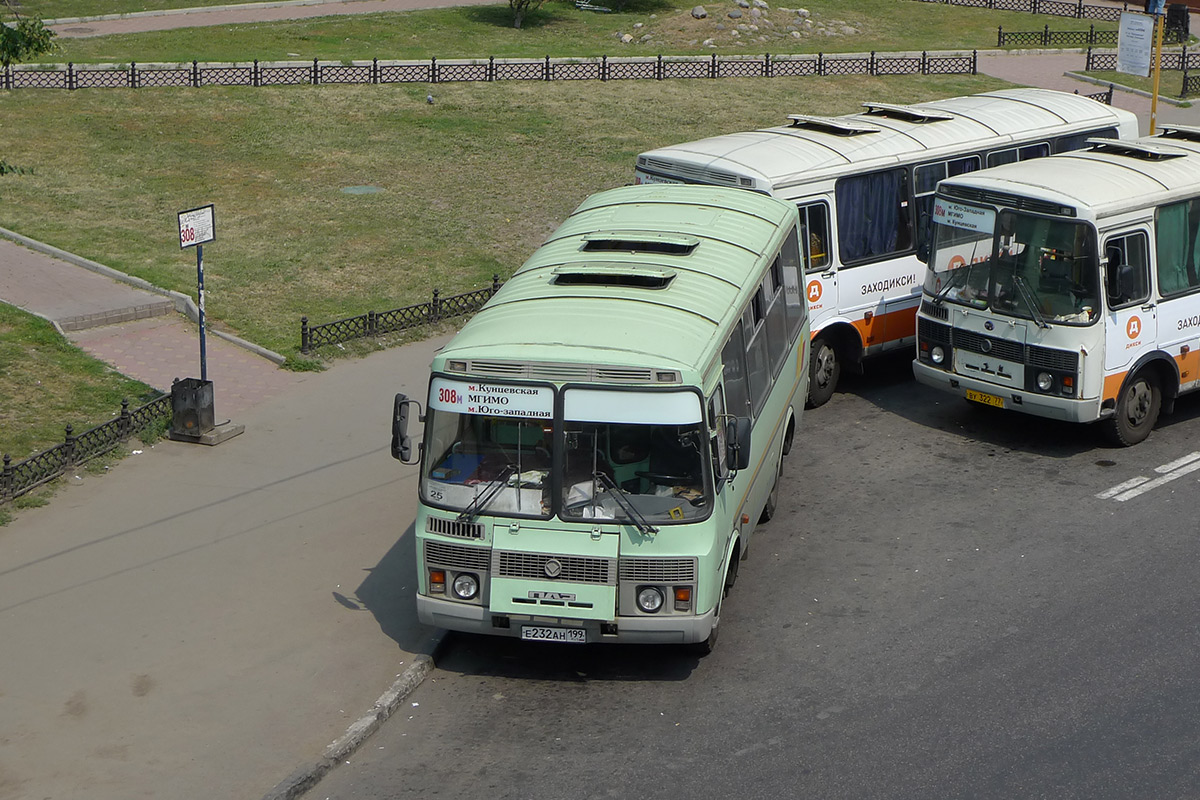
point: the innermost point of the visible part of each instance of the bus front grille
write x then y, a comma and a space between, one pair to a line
457, 556
453, 527
533, 566
989, 345
933, 332
1046, 358
658, 570
936, 311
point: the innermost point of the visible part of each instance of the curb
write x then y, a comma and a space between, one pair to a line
309, 775
183, 304
1088, 79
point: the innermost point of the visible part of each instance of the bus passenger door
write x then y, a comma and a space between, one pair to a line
1131, 322
820, 270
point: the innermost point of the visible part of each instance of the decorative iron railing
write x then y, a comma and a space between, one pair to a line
1056, 8
71, 76
376, 323
23, 476
1049, 38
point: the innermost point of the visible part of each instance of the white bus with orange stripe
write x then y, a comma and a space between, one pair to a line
864, 186
1070, 288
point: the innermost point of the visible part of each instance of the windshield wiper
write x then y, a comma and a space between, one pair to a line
618, 494
940, 297
1030, 300
484, 499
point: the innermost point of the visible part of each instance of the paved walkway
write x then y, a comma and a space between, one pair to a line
215, 617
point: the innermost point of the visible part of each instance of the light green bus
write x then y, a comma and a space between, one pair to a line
602, 438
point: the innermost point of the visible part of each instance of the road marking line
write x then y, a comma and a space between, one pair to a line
1154, 484
1120, 487
1179, 462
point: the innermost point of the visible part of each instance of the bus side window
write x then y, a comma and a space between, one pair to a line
1128, 272
796, 304
874, 215
1177, 237
814, 234
737, 388
716, 432
757, 361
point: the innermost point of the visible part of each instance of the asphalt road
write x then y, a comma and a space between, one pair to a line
950, 603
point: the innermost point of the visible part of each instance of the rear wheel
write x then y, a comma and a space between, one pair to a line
1137, 410
824, 369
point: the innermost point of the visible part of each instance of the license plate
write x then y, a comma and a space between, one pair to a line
533, 633
985, 398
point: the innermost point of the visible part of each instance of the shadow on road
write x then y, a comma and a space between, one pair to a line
888, 384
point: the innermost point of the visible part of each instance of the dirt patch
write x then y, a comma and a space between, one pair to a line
732, 25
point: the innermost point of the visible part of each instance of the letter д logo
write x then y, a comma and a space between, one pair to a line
814, 291
1133, 328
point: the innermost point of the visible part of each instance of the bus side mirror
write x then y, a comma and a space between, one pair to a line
1120, 281
401, 441
737, 443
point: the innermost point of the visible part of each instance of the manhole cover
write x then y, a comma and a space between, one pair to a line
361, 189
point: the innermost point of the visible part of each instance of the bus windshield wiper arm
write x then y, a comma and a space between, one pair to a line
1030, 300
940, 297
485, 498
618, 494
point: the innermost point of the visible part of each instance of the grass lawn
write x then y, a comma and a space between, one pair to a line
469, 186
560, 29
46, 383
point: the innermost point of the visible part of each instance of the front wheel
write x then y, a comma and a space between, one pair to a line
772, 499
824, 369
1137, 411
708, 645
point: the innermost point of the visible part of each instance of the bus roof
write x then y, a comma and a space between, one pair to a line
881, 134
1106, 179
644, 277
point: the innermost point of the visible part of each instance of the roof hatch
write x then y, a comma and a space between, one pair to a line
1189, 133
612, 274
672, 244
909, 113
839, 127
1134, 149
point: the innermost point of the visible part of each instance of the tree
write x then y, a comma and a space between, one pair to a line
22, 38
522, 7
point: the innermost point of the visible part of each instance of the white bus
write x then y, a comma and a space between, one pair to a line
864, 186
604, 435
1070, 288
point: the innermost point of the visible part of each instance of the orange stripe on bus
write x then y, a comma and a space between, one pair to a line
1112, 385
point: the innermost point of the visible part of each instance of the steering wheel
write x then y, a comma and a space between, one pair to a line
665, 479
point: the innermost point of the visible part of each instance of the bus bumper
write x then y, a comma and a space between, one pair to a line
667, 629
1039, 405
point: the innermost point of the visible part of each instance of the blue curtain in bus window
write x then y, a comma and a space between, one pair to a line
869, 218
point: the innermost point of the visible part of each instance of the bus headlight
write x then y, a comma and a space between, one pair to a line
650, 599
937, 355
466, 586
1045, 381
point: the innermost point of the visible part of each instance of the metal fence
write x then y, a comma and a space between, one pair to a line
375, 323
434, 71
1055, 8
1049, 38
19, 478
1181, 61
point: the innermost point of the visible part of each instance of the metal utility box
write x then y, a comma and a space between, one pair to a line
191, 407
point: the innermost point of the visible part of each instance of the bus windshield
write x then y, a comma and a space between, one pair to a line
636, 458
1014, 263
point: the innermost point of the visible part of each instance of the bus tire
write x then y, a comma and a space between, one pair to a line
824, 369
789, 434
708, 645
772, 499
1137, 410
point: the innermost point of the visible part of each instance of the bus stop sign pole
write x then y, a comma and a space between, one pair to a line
196, 227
